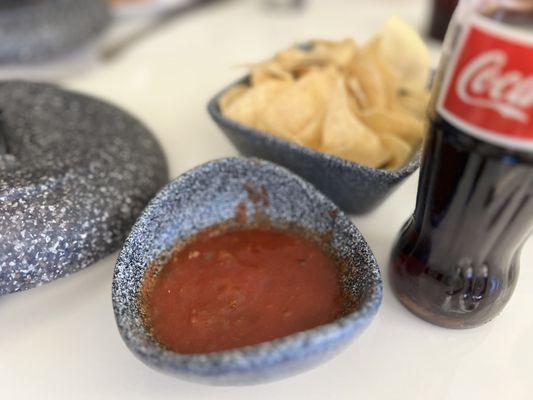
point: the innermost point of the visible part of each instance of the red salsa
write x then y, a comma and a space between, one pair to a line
237, 288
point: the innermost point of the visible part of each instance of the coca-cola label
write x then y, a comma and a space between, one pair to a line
488, 88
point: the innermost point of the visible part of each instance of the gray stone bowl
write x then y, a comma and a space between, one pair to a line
75, 173
210, 194
37, 31
355, 188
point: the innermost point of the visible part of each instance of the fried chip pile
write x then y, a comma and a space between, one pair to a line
362, 103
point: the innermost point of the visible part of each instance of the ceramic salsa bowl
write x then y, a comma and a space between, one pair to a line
355, 188
210, 194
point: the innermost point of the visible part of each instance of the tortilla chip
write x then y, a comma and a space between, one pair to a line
404, 50
297, 112
407, 127
400, 150
347, 137
247, 107
232, 94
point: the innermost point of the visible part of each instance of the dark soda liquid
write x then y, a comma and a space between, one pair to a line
456, 260
440, 17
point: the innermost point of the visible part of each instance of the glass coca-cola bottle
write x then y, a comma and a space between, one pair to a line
456, 260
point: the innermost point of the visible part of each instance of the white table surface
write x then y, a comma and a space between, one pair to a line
60, 341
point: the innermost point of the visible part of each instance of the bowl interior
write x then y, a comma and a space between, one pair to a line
211, 194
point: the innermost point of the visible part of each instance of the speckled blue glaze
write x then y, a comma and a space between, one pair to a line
355, 188
75, 173
40, 30
210, 194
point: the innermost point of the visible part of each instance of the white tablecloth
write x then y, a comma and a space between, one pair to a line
60, 341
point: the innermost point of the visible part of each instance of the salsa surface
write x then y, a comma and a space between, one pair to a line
231, 289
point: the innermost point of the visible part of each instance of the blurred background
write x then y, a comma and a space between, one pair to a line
54, 39
163, 59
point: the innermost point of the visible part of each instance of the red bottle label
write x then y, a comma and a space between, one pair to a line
488, 88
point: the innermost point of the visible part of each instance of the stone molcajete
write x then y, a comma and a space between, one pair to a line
74, 174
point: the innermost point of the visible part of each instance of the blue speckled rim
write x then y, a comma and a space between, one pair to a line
245, 359
380, 173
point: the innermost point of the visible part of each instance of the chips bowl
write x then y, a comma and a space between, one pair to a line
355, 188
